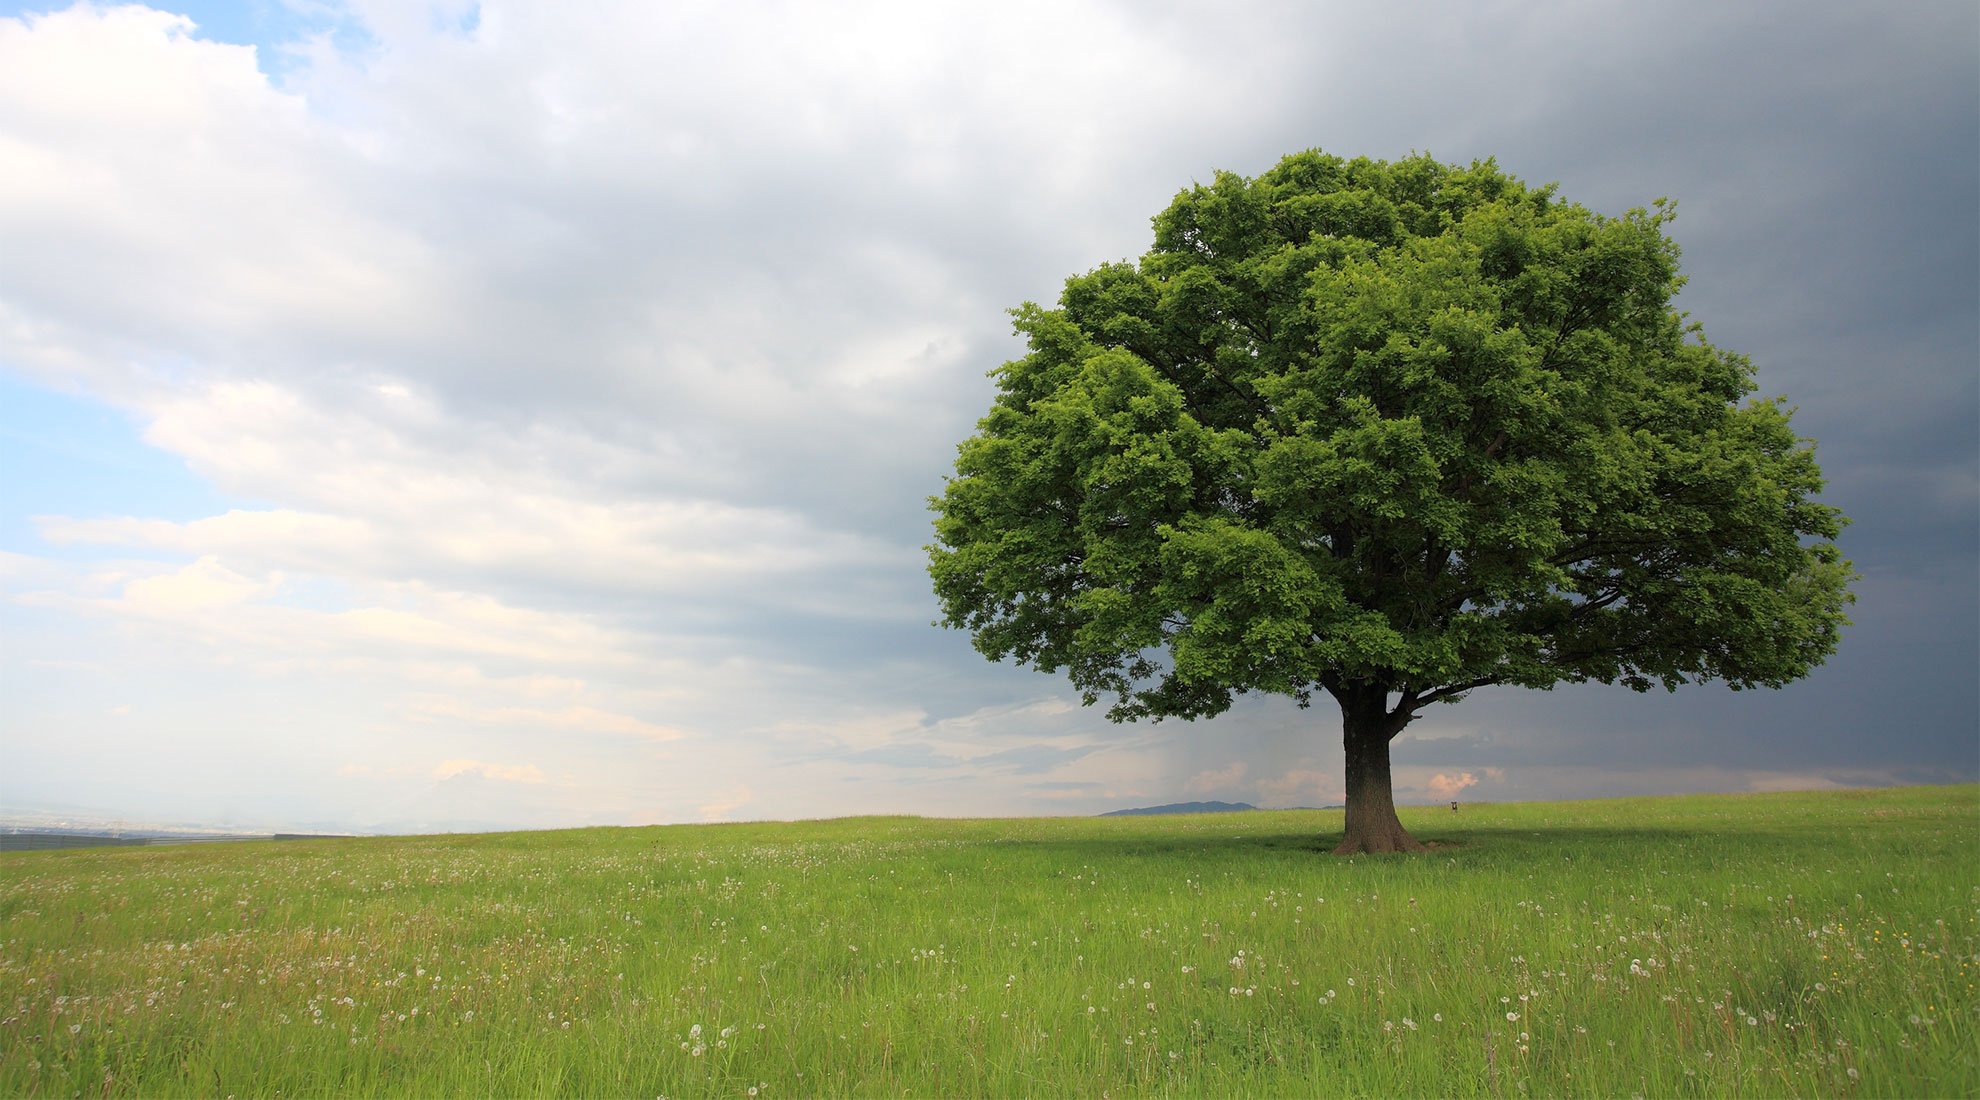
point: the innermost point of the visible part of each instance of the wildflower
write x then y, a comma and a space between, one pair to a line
1511, 1016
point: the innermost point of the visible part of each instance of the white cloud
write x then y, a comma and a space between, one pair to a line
199, 589
580, 718
1220, 781
504, 773
1447, 786
247, 615
722, 806
380, 502
1300, 787
127, 144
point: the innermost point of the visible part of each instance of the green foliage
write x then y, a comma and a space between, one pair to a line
1759, 945
1404, 427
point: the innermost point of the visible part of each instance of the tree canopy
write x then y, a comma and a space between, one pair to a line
1392, 431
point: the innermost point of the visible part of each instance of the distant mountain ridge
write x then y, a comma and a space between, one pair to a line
1183, 808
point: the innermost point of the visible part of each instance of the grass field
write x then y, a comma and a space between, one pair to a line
1823, 944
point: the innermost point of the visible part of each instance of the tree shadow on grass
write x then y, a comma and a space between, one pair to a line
1634, 844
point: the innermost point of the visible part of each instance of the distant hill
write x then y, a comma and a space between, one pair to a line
1183, 808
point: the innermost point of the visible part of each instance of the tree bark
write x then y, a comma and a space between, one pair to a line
1372, 826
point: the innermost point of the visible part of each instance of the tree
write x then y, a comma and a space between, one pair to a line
1394, 432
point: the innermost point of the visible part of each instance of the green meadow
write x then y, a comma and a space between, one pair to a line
1805, 944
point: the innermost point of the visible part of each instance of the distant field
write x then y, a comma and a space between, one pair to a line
1786, 944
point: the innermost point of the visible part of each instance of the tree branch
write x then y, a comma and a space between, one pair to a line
1417, 701
1569, 325
1491, 451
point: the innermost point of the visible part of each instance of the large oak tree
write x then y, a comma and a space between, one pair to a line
1394, 432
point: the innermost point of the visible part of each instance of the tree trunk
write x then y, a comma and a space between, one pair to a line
1371, 803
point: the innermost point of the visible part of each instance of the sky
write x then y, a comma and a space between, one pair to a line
422, 417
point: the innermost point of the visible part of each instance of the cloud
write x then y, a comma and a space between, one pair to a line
503, 773
371, 489
202, 587
722, 806
1022, 760
1300, 786
1588, 782
1221, 780
1030, 759
1447, 786
228, 609
1052, 735
580, 718
533, 442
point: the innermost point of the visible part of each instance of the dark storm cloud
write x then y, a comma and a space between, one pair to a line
1826, 161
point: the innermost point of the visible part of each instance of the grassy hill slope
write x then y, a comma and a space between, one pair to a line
1822, 943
